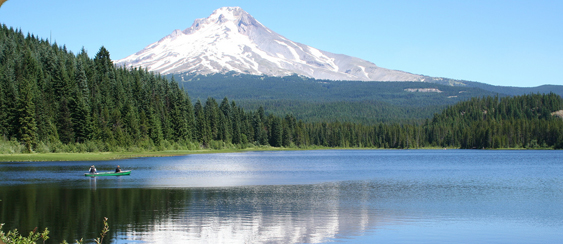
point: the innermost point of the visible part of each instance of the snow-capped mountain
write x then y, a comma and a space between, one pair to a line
230, 39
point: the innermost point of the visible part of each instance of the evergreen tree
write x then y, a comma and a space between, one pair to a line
103, 61
80, 117
155, 128
188, 111
211, 110
276, 131
260, 133
236, 123
225, 127
202, 128
143, 125
26, 113
64, 123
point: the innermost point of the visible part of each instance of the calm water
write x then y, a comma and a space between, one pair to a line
348, 196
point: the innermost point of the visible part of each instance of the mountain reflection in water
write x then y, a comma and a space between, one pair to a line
285, 214
282, 214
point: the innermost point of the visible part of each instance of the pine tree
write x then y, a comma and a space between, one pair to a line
236, 123
276, 131
155, 128
64, 123
103, 61
26, 112
202, 129
25, 105
82, 80
225, 126
80, 117
131, 121
260, 134
10, 120
143, 125
188, 111
211, 110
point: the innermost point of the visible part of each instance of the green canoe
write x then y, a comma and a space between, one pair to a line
128, 172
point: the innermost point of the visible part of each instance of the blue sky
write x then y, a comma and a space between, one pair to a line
499, 42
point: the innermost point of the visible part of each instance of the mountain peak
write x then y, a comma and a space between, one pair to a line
231, 17
225, 14
228, 11
230, 39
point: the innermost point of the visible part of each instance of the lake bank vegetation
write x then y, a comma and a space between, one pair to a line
14, 237
54, 101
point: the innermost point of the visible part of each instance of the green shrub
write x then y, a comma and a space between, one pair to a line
11, 147
42, 148
14, 237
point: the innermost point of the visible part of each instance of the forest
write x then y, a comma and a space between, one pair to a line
52, 100
314, 100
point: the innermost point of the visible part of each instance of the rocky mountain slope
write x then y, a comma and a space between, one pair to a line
230, 39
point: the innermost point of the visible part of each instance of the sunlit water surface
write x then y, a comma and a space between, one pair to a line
349, 196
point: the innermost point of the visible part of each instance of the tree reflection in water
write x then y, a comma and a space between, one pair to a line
300, 213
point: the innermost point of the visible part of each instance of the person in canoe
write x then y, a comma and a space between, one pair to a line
118, 169
92, 170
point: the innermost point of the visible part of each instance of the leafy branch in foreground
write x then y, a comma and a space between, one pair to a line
105, 230
14, 237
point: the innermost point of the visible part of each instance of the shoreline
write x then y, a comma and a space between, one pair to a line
106, 156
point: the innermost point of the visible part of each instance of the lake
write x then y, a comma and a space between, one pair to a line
344, 196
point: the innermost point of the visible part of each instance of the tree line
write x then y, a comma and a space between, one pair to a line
53, 100
314, 100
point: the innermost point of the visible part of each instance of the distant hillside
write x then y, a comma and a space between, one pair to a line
355, 101
325, 100
515, 91
506, 90
238, 86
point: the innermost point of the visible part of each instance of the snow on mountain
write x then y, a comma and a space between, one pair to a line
230, 39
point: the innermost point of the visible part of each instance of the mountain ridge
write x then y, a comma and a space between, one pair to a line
230, 39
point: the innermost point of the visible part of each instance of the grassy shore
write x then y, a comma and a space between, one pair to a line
100, 156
